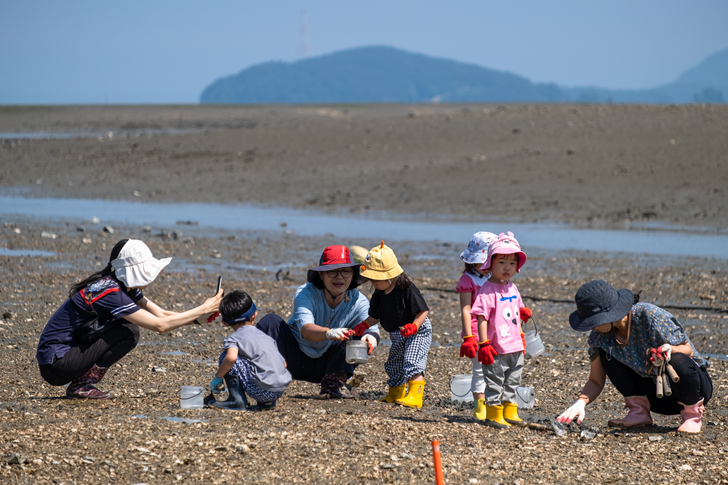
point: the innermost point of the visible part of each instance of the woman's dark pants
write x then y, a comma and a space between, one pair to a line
301, 366
695, 383
105, 352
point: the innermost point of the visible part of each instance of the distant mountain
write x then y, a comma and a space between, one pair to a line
386, 74
705, 83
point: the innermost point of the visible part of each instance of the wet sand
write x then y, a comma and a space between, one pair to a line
364, 441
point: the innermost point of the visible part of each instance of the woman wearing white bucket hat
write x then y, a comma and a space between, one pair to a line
97, 325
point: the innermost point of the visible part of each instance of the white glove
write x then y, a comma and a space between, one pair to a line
667, 350
371, 340
575, 411
338, 334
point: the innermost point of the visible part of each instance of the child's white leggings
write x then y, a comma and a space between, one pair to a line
478, 382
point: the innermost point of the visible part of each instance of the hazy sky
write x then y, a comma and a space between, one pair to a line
165, 51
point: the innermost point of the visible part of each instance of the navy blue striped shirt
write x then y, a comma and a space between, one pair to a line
104, 298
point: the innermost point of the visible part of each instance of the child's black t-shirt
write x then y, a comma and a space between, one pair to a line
398, 308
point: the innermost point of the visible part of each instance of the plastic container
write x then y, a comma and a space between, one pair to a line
525, 397
460, 387
356, 352
191, 397
534, 345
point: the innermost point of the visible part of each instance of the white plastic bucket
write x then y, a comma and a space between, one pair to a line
534, 345
525, 397
191, 397
356, 352
460, 387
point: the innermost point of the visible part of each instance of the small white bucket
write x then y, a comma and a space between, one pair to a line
460, 387
356, 352
534, 345
525, 397
191, 397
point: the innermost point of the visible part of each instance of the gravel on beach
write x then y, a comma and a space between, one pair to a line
143, 436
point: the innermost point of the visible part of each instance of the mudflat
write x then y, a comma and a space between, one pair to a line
588, 165
583, 164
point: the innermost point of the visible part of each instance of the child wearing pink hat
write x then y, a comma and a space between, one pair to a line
499, 310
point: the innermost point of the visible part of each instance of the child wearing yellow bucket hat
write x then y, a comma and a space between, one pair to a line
399, 306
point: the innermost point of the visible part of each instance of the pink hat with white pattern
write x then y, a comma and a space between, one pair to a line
505, 244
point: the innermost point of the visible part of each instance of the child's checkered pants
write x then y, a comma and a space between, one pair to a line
241, 368
408, 356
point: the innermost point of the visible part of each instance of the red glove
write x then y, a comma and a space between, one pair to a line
523, 339
408, 330
469, 347
486, 353
360, 328
526, 314
213, 317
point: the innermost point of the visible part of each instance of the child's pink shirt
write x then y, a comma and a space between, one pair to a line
501, 306
470, 283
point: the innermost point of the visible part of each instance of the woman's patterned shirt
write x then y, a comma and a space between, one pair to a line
651, 327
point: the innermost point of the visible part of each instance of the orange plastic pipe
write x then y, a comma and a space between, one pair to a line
439, 478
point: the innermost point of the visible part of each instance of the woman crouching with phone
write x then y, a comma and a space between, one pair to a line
98, 324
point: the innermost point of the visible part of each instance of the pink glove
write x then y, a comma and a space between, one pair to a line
469, 347
486, 353
408, 330
360, 328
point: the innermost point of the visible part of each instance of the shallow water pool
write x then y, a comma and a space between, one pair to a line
546, 236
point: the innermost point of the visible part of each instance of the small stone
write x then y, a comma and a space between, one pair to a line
243, 449
48, 235
95, 220
86, 240
8, 315
16, 230
108, 229
473, 480
16, 459
655, 438
685, 467
136, 193
158, 369
80, 229
147, 229
587, 434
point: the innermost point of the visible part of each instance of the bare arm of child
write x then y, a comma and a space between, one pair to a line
420, 319
465, 313
227, 362
482, 328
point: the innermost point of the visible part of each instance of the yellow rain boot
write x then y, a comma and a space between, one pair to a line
394, 394
479, 412
510, 414
414, 395
494, 417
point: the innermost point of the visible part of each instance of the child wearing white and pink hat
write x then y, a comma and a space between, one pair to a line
499, 310
468, 287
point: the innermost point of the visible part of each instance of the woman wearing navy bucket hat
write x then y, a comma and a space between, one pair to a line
631, 342
326, 309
